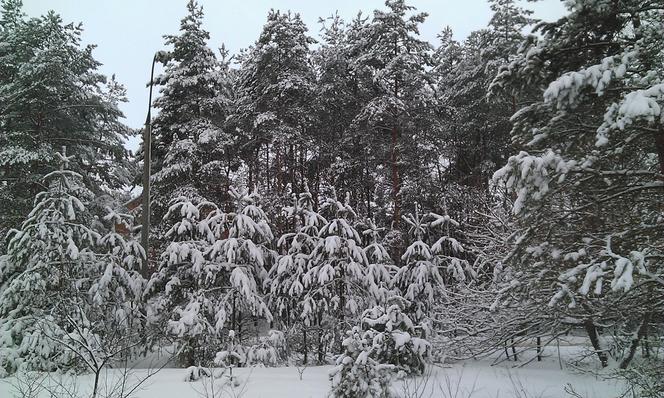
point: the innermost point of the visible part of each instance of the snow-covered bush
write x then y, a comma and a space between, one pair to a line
194, 373
234, 355
644, 379
395, 337
357, 373
383, 346
268, 350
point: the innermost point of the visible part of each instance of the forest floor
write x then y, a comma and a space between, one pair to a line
468, 379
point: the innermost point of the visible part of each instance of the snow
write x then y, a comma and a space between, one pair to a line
543, 378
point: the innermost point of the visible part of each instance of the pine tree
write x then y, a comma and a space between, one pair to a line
591, 143
286, 278
63, 304
395, 340
419, 279
244, 256
398, 112
191, 147
382, 347
478, 126
357, 373
185, 292
274, 89
337, 267
125, 247
342, 90
448, 252
381, 270
53, 95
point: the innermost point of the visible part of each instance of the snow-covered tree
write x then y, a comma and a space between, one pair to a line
419, 278
357, 373
383, 346
52, 95
233, 355
63, 304
337, 267
274, 89
390, 48
448, 252
592, 143
211, 273
287, 286
342, 89
125, 246
380, 269
395, 340
268, 350
191, 147
185, 294
286, 278
243, 256
475, 136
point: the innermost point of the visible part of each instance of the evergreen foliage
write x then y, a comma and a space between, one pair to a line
53, 95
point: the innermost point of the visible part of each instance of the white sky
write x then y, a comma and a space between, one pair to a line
128, 32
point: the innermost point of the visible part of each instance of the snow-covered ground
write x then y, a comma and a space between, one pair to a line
477, 379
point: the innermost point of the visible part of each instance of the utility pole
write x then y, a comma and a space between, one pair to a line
147, 153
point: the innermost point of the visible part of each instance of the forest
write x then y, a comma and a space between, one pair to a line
366, 202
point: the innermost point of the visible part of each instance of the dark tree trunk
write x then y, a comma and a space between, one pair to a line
591, 329
395, 179
539, 349
640, 334
267, 166
305, 347
659, 144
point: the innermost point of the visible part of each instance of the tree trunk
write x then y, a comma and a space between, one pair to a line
368, 189
659, 144
395, 179
321, 348
233, 318
305, 348
267, 166
539, 349
514, 350
635, 341
591, 329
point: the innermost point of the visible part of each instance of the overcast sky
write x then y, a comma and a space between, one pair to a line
128, 32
